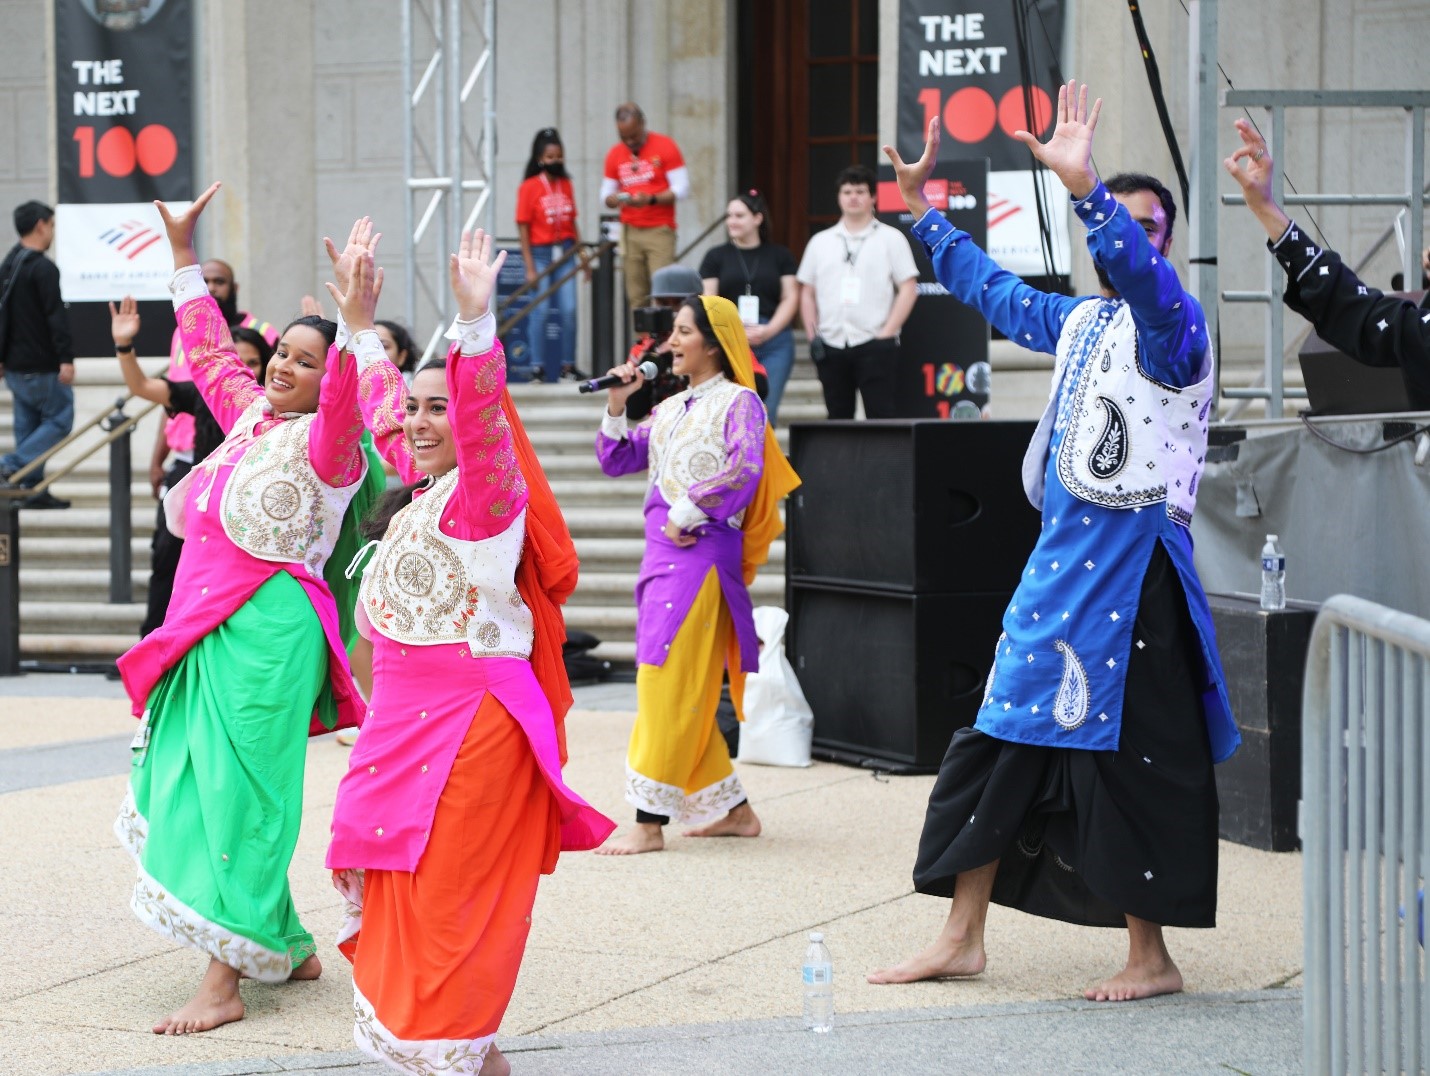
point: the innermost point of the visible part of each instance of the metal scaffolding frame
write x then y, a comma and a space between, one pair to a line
1412, 201
445, 169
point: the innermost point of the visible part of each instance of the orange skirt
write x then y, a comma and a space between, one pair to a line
437, 952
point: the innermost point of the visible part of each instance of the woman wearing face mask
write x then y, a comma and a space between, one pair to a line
453, 805
759, 278
250, 660
717, 479
546, 219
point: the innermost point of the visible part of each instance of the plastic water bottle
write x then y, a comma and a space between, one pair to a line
818, 986
1273, 574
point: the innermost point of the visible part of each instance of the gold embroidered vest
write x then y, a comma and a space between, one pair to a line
688, 446
425, 587
275, 506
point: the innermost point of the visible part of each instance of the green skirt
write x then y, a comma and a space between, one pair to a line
216, 785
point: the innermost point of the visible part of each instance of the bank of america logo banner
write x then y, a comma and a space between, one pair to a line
106, 252
132, 238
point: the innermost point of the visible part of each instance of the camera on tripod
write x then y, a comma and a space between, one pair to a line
656, 321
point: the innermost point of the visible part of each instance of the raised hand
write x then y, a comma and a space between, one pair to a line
474, 274
1068, 153
360, 238
358, 302
1255, 178
912, 177
180, 229
124, 321
309, 307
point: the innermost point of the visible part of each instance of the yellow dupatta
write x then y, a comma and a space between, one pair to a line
762, 517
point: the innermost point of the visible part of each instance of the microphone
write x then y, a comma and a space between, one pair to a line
648, 370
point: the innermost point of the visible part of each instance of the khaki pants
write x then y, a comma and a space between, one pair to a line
645, 250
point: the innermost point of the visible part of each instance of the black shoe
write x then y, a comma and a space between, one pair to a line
44, 500
574, 374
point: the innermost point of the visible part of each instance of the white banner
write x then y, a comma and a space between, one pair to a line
1013, 238
106, 252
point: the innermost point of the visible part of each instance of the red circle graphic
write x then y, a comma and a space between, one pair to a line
1012, 115
969, 114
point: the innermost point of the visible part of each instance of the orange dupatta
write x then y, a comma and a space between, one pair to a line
546, 576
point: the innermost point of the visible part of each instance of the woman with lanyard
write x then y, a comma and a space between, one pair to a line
546, 219
453, 805
717, 480
759, 277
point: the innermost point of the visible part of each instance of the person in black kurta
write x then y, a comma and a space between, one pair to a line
1371, 327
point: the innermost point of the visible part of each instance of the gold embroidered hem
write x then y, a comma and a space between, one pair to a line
130, 827
171, 917
433, 1057
705, 805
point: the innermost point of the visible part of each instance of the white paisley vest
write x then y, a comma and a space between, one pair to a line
1131, 440
427, 588
275, 506
689, 446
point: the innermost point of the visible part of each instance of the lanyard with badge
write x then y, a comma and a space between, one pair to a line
749, 303
851, 287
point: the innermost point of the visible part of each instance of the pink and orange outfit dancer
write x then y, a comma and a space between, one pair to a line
249, 661
454, 803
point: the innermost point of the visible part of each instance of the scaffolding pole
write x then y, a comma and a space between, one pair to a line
448, 146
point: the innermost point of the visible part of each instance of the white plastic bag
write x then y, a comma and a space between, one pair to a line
779, 724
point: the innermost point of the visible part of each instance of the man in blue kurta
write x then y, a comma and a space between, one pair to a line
1085, 791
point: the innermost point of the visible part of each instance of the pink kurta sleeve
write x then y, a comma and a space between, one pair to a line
227, 386
491, 490
382, 395
335, 436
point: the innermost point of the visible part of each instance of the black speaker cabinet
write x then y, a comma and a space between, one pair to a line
890, 676
918, 506
1264, 656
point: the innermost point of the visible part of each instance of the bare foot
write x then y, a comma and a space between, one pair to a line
740, 822
495, 1063
645, 837
215, 1002
947, 958
309, 969
1138, 981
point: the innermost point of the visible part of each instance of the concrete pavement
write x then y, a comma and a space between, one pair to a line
683, 961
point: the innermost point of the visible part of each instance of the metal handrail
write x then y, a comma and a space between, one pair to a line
1414, 103
1365, 830
577, 248
15, 491
595, 253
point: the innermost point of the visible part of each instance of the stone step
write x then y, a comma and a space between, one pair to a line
62, 647
41, 584
76, 551
81, 618
79, 522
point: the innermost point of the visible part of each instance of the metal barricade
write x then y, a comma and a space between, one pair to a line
1365, 832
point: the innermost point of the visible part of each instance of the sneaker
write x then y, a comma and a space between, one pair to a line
44, 500
574, 373
346, 737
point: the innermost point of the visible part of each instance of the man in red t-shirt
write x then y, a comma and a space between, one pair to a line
644, 176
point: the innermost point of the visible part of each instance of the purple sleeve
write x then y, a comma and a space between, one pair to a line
723, 494
625, 455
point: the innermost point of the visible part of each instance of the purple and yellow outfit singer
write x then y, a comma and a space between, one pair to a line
717, 472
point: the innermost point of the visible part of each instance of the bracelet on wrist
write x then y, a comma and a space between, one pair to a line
122, 349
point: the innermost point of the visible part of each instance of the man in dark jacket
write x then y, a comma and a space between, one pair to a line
1371, 327
36, 355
